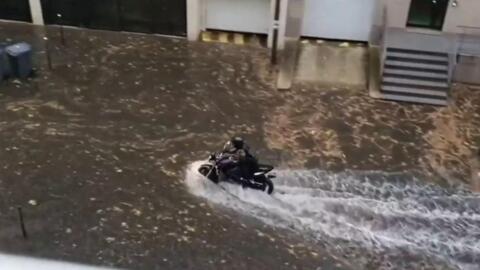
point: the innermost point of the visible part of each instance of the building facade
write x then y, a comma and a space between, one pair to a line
449, 29
439, 15
425, 46
332, 19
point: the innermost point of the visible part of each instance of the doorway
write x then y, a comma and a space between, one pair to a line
167, 17
321, 19
427, 13
17, 10
250, 16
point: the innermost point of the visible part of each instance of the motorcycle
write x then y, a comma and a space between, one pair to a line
261, 179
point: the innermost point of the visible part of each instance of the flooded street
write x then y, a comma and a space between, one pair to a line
376, 215
98, 153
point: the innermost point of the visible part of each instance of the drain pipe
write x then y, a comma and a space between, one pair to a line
276, 25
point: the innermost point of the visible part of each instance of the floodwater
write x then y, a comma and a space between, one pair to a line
408, 223
95, 152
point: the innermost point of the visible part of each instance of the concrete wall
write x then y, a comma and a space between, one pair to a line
195, 18
392, 13
389, 13
397, 12
36, 11
467, 70
466, 13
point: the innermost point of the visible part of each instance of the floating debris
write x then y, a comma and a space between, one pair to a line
117, 209
110, 239
190, 228
33, 202
137, 212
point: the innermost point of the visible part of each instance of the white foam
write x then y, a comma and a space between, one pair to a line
370, 210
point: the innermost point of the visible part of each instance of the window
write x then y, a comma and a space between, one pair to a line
427, 13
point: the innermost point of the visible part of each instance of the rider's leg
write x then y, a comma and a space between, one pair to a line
235, 174
251, 165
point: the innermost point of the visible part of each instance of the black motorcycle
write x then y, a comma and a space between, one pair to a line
261, 179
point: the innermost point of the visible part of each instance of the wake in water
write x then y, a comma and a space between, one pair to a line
391, 215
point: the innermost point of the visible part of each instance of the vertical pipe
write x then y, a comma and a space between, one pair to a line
62, 33
47, 53
22, 223
276, 19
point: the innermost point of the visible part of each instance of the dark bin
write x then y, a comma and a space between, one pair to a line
20, 58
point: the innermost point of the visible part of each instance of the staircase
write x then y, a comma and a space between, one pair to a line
416, 76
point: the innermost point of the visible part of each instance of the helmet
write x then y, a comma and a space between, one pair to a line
237, 142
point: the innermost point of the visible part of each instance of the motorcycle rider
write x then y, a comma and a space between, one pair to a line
234, 145
240, 165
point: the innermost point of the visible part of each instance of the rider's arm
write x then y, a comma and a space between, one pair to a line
227, 147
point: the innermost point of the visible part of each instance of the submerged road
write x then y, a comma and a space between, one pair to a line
96, 153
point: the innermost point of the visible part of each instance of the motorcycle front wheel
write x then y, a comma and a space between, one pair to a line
208, 171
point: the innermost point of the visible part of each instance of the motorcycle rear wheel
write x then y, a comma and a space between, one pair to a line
269, 186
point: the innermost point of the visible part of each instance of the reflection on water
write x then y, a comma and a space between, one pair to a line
392, 216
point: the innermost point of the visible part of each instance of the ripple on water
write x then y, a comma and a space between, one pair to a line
391, 215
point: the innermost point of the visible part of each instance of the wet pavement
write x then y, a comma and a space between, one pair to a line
95, 150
